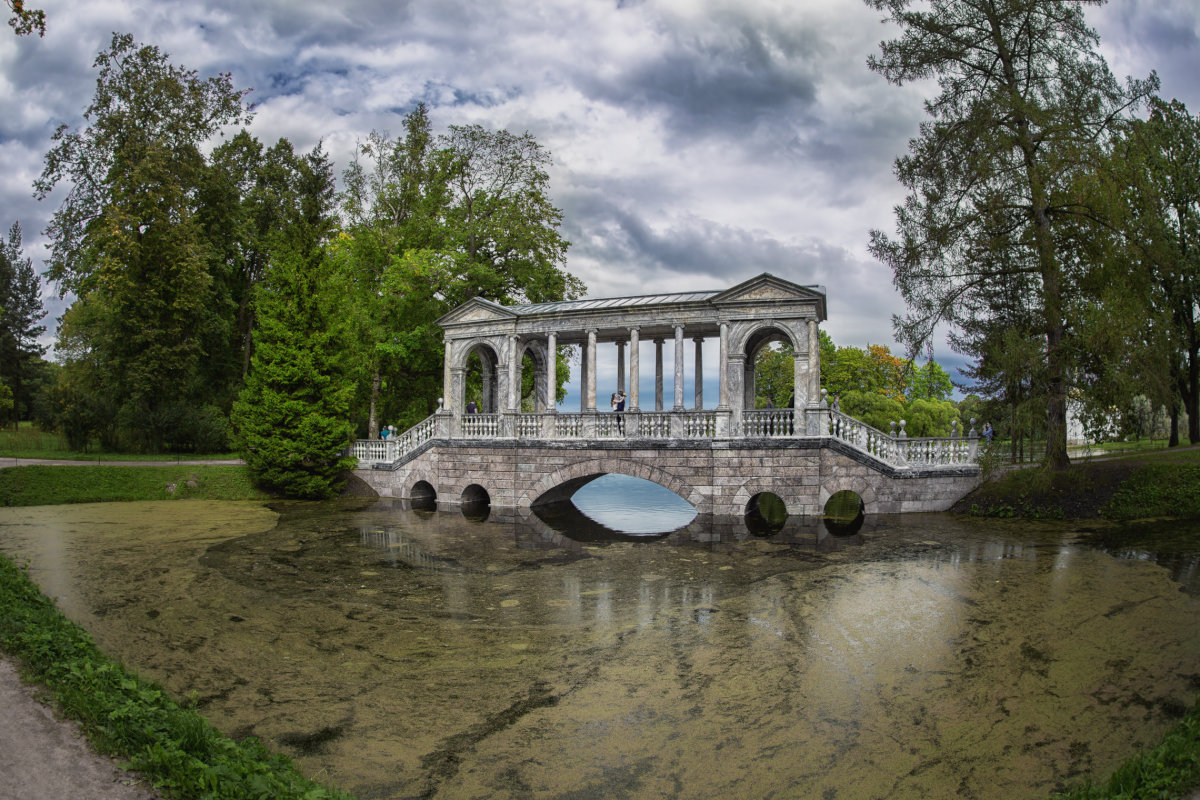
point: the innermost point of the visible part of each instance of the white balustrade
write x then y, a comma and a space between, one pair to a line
529, 426
656, 425
568, 426
480, 426
898, 451
700, 424
769, 423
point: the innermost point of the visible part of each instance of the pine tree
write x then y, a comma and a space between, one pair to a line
20, 312
292, 417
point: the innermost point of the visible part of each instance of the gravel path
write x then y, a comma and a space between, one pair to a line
44, 757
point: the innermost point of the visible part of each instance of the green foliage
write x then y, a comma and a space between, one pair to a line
929, 382
994, 211
174, 747
1157, 490
774, 376
433, 222
20, 312
149, 325
292, 416
874, 370
932, 418
1141, 316
41, 485
1172, 769
873, 408
24, 20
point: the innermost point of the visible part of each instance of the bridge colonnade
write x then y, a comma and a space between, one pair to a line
744, 319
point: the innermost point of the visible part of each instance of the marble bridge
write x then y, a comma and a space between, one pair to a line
522, 451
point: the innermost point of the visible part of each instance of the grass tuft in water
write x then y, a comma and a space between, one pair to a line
1171, 770
173, 747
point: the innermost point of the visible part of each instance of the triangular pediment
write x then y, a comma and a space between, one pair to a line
476, 310
769, 288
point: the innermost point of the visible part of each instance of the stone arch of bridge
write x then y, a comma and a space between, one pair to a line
538, 355
794, 499
859, 486
749, 341
420, 476
582, 472
488, 352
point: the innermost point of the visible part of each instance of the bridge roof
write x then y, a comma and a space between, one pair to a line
611, 302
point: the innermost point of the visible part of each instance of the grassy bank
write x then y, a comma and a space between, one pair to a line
1146, 485
172, 746
51, 485
1171, 770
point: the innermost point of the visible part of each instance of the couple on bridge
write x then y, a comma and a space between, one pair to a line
618, 405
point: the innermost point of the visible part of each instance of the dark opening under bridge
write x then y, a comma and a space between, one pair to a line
521, 452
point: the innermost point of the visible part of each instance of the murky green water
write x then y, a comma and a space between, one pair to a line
407, 654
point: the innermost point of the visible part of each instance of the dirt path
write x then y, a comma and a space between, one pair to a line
54, 462
43, 757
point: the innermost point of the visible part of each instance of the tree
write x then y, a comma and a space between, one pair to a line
501, 221
395, 201
1026, 103
1155, 259
20, 312
25, 21
774, 376
292, 417
929, 382
432, 221
128, 241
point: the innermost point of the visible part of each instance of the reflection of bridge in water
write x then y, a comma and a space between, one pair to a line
520, 452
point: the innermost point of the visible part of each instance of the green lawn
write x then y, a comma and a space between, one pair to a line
51, 485
29, 441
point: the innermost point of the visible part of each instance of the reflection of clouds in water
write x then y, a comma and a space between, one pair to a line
633, 505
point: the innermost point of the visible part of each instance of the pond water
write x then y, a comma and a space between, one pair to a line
400, 653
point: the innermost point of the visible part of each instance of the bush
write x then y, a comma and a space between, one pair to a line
872, 408
173, 746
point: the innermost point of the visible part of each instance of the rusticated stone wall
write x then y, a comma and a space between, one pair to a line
717, 477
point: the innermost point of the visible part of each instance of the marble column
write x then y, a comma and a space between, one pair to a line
678, 368
487, 385
514, 374
723, 377
814, 362
552, 372
658, 375
583, 370
699, 377
635, 367
620, 366
591, 371
449, 402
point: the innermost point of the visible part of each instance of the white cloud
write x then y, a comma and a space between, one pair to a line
695, 143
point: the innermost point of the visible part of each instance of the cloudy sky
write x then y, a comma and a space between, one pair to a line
696, 143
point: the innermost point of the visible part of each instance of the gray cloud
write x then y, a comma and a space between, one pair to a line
696, 144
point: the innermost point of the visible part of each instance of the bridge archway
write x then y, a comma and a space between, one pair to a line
562, 483
480, 372
858, 486
757, 339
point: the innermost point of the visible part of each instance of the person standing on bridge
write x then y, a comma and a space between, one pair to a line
618, 405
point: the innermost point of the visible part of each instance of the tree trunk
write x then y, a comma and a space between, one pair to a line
1173, 441
373, 417
1191, 397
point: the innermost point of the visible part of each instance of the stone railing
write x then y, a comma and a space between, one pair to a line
392, 449
894, 449
898, 450
769, 423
